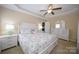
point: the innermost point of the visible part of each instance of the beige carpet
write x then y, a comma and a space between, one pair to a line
13, 50
63, 47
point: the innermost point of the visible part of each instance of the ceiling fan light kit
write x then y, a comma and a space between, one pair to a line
49, 11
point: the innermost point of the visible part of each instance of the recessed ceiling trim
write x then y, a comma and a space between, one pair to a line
43, 17
23, 11
28, 12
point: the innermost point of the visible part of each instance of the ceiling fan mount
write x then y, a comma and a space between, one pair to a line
50, 9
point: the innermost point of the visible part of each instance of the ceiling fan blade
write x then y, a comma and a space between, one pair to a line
57, 8
45, 13
52, 13
42, 10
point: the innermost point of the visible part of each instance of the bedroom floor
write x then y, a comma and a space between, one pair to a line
63, 47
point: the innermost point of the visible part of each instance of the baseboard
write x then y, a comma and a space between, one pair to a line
67, 40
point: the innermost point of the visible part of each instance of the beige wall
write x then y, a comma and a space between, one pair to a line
71, 20
0, 20
17, 18
0, 26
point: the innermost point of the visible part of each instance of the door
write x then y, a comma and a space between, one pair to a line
78, 35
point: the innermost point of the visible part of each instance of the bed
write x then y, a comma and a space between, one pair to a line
37, 42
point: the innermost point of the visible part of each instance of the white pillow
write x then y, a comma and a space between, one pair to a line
25, 31
28, 28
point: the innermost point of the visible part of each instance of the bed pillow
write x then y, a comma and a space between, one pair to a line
25, 31
28, 28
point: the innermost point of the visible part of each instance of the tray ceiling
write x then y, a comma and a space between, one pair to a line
35, 8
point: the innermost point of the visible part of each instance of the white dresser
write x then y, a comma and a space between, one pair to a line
7, 41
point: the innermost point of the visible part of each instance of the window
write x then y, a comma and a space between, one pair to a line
9, 28
57, 26
40, 26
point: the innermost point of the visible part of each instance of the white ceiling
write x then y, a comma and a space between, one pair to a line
35, 8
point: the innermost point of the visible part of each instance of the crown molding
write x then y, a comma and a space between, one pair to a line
19, 9
45, 18
28, 12
65, 13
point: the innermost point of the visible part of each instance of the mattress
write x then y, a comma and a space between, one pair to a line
35, 43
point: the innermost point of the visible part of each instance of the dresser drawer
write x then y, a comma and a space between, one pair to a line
7, 42
8, 45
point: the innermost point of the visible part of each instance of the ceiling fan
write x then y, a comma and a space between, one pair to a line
50, 9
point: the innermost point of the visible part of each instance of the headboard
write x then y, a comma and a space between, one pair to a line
27, 27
